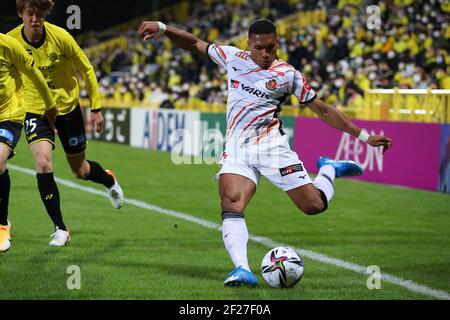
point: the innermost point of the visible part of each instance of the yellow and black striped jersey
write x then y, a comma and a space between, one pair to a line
58, 56
14, 61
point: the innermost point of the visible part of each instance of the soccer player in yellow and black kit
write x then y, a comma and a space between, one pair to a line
14, 61
58, 56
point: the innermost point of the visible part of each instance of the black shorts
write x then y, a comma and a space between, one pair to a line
70, 129
10, 135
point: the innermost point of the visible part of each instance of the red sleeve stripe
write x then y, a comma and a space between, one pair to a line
219, 55
304, 90
222, 53
217, 62
302, 96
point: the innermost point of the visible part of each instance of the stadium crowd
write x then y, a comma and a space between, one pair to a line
340, 56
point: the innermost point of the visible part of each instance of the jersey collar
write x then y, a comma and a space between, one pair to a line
38, 44
274, 61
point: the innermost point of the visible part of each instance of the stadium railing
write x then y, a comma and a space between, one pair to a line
412, 105
408, 105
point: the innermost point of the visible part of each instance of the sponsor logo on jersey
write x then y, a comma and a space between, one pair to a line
7, 135
236, 69
282, 74
271, 85
3, 63
291, 169
243, 55
53, 57
235, 84
29, 52
255, 92
49, 68
76, 141
30, 62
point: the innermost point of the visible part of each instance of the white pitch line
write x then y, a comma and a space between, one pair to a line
407, 284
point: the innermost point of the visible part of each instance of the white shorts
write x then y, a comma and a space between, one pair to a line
274, 159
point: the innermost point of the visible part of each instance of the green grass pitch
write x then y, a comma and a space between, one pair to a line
136, 253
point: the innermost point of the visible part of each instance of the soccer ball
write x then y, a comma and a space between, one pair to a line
282, 267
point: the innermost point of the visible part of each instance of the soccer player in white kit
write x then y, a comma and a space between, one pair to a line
258, 84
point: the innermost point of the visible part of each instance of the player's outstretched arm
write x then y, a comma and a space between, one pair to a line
339, 120
84, 66
25, 64
151, 29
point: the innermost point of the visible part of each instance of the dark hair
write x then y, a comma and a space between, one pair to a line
44, 6
261, 26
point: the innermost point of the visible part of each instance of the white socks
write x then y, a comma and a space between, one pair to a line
324, 181
234, 229
235, 237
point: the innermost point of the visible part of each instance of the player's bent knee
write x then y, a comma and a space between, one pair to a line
80, 173
231, 204
80, 169
44, 164
313, 207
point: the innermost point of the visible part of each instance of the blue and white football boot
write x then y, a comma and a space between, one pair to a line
343, 168
240, 276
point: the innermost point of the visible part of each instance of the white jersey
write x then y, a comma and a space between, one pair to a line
255, 95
